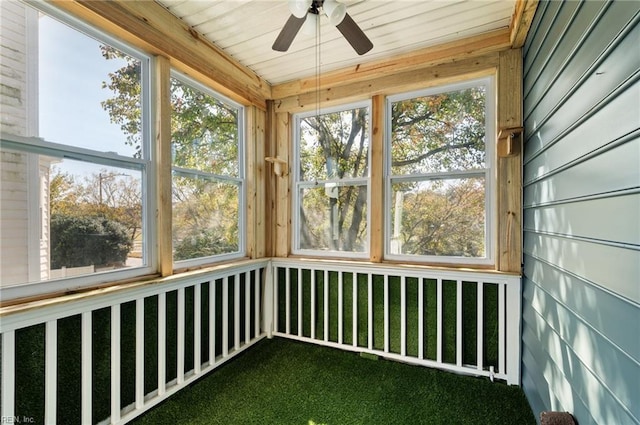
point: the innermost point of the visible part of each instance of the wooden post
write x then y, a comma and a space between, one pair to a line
163, 165
509, 168
255, 179
376, 232
283, 192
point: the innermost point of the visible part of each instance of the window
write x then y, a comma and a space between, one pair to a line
75, 155
332, 182
208, 174
440, 178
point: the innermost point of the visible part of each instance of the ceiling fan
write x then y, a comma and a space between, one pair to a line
338, 16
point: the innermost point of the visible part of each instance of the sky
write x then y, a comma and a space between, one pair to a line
71, 72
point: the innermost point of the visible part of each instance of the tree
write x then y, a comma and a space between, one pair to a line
204, 135
107, 194
429, 135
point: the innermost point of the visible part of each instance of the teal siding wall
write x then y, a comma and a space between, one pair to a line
581, 307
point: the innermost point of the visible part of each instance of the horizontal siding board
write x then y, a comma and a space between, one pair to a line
558, 38
612, 171
541, 25
606, 313
619, 274
560, 395
581, 178
532, 380
567, 106
611, 122
578, 54
616, 218
602, 361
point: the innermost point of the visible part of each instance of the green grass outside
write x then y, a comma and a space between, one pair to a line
281, 381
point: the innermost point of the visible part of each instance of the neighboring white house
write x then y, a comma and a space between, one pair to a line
24, 177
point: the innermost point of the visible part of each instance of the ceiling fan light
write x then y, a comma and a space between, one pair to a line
299, 8
310, 24
335, 11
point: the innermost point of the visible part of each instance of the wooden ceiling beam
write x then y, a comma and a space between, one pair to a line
148, 25
414, 79
431, 56
521, 21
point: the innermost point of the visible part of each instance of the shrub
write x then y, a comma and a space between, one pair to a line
83, 241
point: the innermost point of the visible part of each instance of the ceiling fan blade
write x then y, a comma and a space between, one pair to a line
288, 33
354, 35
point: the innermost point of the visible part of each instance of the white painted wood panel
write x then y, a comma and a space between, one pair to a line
246, 29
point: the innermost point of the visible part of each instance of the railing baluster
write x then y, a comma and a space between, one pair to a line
197, 328
87, 370
212, 322
247, 307
139, 353
181, 331
439, 314
403, 316
236, 312
326, 304
480, 327
287, 297
340, 319
313, 304
51, 371
458, 323
162, 343
256, 303
8, 373
511, 328
354, 277
386, 313
370, 311
276, 306
420, 318
225, 317
300, 312
502, 352
115, 363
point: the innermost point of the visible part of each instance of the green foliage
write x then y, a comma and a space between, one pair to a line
204, 131
202, 244
438, 133
125, 109
83, 241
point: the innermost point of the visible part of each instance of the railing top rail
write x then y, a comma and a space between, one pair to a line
411, 270
22, 315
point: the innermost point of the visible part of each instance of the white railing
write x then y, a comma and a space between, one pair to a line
211, 315
461, 321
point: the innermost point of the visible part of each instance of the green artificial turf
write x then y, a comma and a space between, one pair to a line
281, 381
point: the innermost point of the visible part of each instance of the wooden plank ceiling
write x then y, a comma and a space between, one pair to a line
246, 29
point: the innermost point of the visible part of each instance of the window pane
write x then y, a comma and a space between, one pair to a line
89, 92
439, 217
205, 217
335, 145
204, 131
85, 219
439, 133
333, 218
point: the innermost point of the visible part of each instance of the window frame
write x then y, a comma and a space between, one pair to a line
145, 165
489, 172
240, 180
351, 181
